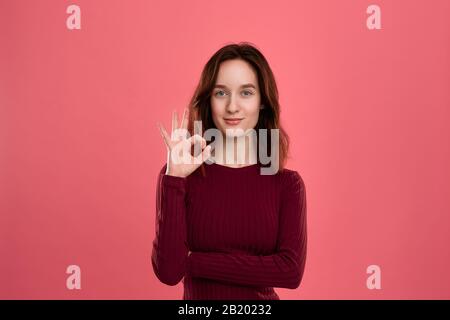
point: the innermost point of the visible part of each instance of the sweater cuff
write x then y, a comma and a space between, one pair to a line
173, 181
198, 263
190, 267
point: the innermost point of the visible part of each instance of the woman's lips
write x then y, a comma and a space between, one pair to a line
232, 122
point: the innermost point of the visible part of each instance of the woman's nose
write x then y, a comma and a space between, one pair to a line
233, 105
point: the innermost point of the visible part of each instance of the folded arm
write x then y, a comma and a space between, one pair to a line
283, 269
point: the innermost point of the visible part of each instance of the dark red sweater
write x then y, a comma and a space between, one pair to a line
233, 234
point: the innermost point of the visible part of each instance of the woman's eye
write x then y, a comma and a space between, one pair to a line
222, 93
219, 93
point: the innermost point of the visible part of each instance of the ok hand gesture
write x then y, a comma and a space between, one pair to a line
182, 166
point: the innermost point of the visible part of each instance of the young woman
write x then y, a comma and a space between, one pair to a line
227, 230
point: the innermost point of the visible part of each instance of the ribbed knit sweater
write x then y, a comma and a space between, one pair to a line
233, 234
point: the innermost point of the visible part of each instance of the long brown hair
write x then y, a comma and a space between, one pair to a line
269, 116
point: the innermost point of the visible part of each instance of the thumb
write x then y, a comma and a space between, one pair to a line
204, 155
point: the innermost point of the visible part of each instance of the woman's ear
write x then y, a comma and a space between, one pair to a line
262, 106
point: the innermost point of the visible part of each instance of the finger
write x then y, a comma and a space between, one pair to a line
164, 134
198, 138
197, 127
184, 121
202, 157
174, 121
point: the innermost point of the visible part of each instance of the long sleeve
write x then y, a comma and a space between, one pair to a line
170, 249
283, 269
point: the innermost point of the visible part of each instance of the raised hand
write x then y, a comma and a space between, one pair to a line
178, 142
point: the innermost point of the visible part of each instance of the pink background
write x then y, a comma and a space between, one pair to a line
367, 113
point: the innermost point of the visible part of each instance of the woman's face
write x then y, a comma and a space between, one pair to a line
235, 96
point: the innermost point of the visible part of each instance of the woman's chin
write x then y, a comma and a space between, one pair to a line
233, 132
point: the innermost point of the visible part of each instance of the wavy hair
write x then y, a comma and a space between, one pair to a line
269, 116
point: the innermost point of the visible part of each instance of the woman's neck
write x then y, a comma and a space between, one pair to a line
236, 152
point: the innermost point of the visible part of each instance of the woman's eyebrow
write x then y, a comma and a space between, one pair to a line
247, 85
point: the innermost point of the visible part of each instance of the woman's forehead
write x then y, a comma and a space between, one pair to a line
235, 74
